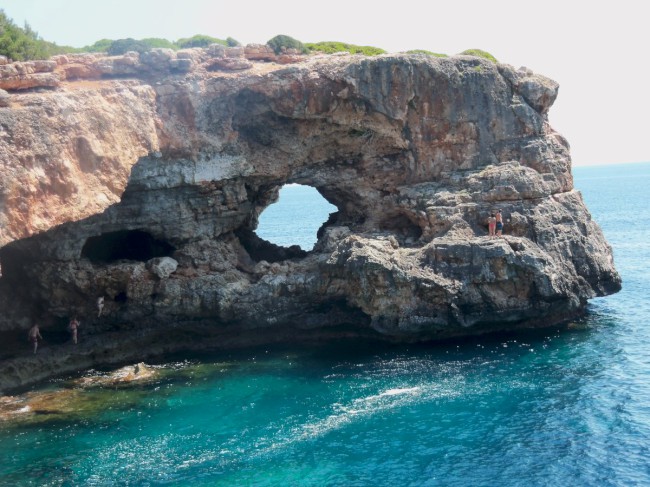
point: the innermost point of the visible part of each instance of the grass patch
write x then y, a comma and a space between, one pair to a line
428, 53
479, 53
331, 47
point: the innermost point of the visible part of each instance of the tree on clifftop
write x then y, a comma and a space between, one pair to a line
121, 46
199, 40
22, 44
278, 43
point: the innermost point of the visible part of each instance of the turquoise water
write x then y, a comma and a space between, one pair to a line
547, 408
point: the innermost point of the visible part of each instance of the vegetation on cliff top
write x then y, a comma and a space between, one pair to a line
21, 44
281, 42
24, 44
428, 53
479, 53
330, 47
120, 46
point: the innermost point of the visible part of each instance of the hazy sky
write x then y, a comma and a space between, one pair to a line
597, 51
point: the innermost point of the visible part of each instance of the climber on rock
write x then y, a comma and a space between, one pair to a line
100, 305
73, 326
499, 223
34, 335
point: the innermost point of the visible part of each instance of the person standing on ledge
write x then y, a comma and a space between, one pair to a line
492, 224
34, 335
100, 305
499, 226
73, 326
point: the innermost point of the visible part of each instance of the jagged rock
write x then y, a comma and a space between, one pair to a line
289, 58
259, 52
60, 59
182, 65
234, 52
216, 50
3, 60
539, 91
171, 170
127, 64
5, 98
158, 58
27, 81
163, 267
228, 64
44, 66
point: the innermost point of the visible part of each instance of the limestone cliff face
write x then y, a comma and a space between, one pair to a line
162, 173
67, 155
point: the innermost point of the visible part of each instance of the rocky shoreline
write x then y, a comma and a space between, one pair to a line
140, 178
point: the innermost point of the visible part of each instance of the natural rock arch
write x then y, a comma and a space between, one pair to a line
414, 151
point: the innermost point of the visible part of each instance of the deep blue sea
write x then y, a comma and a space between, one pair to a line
567, 407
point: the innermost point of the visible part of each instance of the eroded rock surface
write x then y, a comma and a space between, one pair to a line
161, 165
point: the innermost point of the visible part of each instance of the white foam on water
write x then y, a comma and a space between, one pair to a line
357, 410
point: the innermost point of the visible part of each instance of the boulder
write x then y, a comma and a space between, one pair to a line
28, 81
162, 267
228, 64
259, 52
5, 98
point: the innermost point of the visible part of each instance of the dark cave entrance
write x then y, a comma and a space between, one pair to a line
125, 245
13, 259
295, 218
402, 227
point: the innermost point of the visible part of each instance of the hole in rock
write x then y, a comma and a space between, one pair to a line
125, 244
295, 218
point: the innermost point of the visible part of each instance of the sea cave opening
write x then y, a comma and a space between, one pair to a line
295, 218
125, 245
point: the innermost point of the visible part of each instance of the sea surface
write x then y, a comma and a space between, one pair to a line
560, 407
295, 218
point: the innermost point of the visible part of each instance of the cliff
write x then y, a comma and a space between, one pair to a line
141, 178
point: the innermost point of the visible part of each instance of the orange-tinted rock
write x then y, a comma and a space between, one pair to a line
259, 52
27, 81
228, 64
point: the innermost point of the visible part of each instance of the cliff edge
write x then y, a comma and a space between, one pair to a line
140, 178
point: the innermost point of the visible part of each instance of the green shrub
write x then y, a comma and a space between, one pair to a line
282, 41
424, 51
330, 47
101, 45
120, 46
199, 40
232, 42
480, 53
158, 42
106, 45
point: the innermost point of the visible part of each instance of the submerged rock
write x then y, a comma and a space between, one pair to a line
124, 375
158, 182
